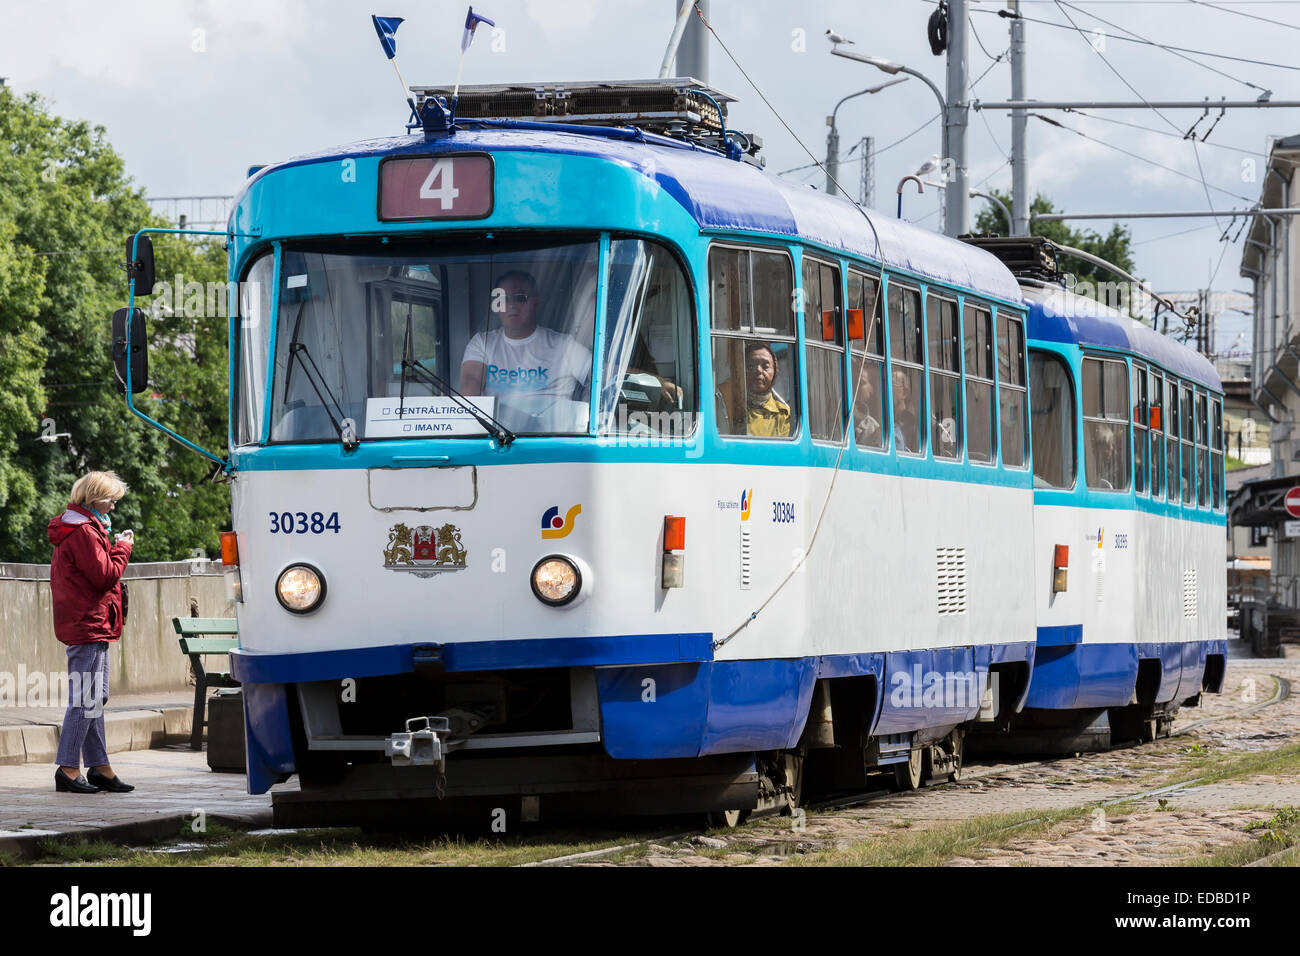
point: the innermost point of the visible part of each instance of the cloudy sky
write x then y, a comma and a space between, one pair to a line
193, 92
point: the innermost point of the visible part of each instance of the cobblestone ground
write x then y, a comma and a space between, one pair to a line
1160, 829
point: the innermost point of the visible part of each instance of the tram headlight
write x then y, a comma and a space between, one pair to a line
300, 588
556, 580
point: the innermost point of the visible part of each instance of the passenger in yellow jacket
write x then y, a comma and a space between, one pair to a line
766, 414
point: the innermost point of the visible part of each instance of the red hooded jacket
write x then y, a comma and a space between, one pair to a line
85, 578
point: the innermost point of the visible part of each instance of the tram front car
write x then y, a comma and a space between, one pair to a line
465, 385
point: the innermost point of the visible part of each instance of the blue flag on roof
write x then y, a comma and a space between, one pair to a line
386, 27
472, 20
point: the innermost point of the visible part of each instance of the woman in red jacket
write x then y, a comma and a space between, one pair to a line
85, 583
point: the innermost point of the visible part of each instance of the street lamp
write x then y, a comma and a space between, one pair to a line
833, 137
1000, 204
890, 67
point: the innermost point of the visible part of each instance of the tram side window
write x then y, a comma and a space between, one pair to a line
823, 336
867, 347
1105, 424
1156, 416
1216, 454
981, 420
1171, 439
1141, 421
1202, 449
754, 357
1187, 430
649, 369
907, 365
945, 376
254, 323
1053, 421
1011, 389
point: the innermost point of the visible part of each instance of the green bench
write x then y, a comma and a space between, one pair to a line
199, 636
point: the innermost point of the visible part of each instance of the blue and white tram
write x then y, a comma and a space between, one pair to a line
552, 489
1128, 481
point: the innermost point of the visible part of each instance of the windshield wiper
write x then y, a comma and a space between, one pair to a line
299, 351
491, 425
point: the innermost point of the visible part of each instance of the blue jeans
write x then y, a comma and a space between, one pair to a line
82, 741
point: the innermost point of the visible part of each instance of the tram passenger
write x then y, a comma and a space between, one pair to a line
521, 358
907, 425
866, 427
766, 413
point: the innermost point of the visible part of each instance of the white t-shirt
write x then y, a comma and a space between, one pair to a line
546, 363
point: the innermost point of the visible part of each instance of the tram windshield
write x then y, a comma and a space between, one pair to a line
399, 340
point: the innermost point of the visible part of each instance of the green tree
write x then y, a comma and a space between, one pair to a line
1115, 246
66, 207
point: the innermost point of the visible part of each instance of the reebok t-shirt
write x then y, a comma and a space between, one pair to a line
546, 363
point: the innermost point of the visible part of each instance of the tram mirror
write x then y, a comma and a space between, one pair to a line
139, 263
137, 351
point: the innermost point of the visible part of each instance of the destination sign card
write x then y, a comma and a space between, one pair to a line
424, 417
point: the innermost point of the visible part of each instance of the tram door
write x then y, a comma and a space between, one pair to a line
1060, 569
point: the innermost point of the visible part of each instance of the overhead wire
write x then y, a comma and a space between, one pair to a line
1144, 42
1242, 13
1119, 149
1180, 55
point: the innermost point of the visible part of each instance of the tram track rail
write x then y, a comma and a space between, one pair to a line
1282, 692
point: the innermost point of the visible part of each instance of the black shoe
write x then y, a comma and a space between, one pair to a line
65, 784
114, 785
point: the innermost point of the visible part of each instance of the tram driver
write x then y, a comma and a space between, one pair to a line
521, 358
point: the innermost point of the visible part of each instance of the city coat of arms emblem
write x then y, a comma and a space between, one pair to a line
425, 550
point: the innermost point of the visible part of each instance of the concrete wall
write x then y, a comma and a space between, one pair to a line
146, 659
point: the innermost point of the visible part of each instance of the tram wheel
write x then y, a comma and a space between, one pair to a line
725, 819
1150, 729
792, 764
959, 753
908, 776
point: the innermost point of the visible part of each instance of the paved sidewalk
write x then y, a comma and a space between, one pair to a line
131, 722
172, 785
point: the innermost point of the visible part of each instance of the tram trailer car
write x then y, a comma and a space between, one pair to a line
1129, 504
588, 586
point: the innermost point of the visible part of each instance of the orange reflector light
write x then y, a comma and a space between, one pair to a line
1060, 566
1155, 416
674, 533
828, 325
229, 549
856, 330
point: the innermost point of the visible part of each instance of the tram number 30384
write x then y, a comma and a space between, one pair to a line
299, 522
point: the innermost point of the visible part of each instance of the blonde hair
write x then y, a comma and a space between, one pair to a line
97, 486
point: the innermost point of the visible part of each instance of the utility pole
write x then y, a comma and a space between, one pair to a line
956, 199
1019, 123
868, 172
693, 53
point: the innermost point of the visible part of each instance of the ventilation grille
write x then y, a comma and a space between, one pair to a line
746, 555
1100, 579
1189, 593
950, 567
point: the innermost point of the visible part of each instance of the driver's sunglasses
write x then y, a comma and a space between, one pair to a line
518, 298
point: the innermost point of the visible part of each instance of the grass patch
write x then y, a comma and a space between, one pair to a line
1280, 833
224, 846
974, 836
941, 843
